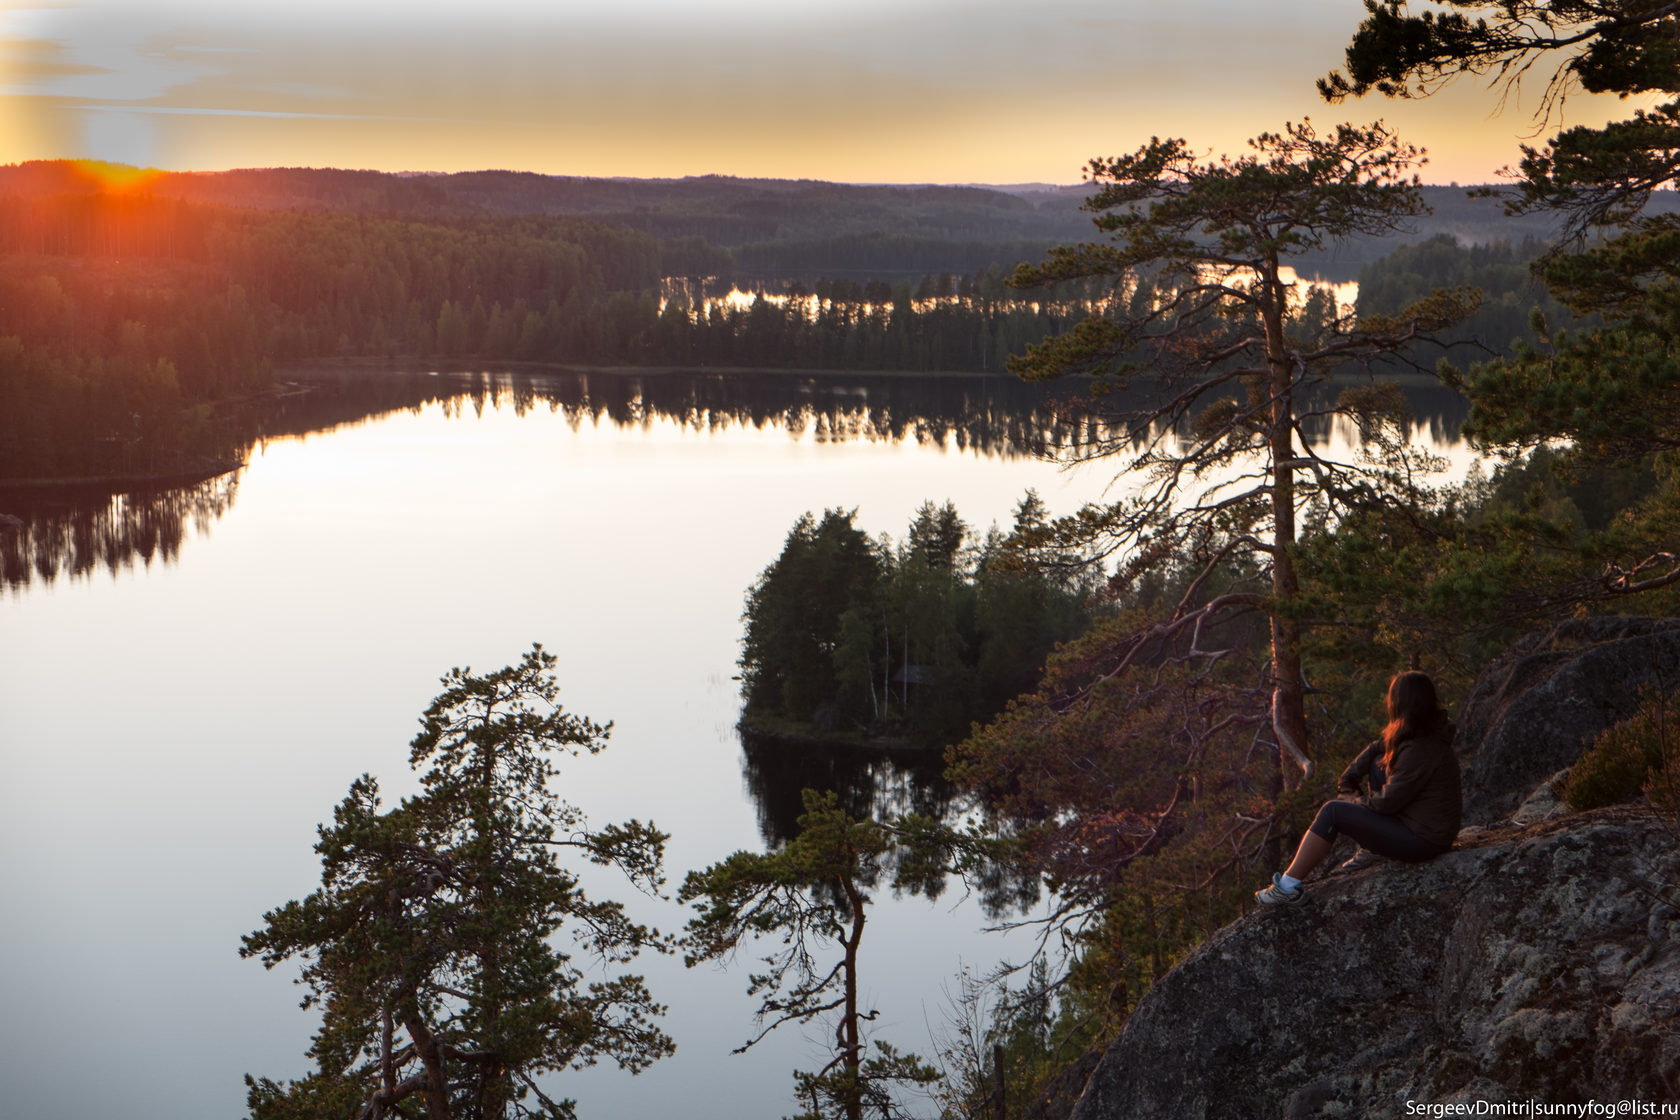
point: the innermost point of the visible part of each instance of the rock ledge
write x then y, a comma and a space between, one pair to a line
1533, 960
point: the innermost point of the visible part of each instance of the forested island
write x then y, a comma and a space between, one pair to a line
850, 640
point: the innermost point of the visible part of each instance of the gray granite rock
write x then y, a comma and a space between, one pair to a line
1531, 961
1540, 703
1544, 803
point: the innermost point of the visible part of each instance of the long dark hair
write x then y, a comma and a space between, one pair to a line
1413, 708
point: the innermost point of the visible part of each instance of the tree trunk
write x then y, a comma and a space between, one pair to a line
431, 1056
1289, 721
494, 1094
851, 1040
387, 1068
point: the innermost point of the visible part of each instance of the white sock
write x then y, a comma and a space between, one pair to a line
1289, 882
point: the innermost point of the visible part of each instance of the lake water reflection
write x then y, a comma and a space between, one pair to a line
190, 679
75, 530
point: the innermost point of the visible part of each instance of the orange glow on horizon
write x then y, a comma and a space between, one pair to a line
114, 178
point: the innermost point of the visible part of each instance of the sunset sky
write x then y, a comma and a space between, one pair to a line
949, 91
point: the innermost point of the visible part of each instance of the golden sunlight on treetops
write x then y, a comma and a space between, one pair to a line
114, 178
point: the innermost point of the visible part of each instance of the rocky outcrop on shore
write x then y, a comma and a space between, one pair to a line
1529, 962
1540, 959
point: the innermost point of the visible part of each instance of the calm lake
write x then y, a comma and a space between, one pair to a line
191, 678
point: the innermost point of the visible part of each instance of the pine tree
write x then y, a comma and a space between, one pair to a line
430, 946
809, 896
1209, 385
1614, 391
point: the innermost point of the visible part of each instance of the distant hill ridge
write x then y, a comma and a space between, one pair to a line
998, 224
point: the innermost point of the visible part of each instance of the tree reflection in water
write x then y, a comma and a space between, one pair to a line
881, 784
870, 782
74, 531
992, 415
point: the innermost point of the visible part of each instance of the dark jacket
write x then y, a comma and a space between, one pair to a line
1421, 788
1367, 767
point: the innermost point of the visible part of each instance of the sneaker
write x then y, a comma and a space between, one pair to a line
1363, 858
1277, 895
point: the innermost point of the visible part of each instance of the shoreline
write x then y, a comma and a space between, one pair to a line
803, 735
292, 380
430, 367
117, 483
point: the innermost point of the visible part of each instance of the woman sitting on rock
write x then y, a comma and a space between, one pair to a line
1415, 804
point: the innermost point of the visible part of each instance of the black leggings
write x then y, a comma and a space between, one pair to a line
1384, 835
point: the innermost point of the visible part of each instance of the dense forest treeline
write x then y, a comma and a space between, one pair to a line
129, 318
809, 228
119, 369
750, 228
528, 288
861, 639
135, 313
1511, 294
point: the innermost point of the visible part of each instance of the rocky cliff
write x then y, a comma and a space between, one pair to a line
1540, 959
1541, 701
